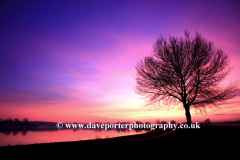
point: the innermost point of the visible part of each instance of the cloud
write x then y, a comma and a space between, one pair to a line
227, 114
220, 114
31, 96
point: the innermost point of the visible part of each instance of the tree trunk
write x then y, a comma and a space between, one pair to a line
188, 115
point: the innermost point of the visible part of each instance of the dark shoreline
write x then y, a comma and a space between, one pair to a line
209, 136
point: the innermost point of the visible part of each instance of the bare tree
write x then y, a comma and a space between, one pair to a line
184, 70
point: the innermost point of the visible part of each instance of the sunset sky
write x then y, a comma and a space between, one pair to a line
74, 60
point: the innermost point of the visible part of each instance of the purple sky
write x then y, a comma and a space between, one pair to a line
75, 60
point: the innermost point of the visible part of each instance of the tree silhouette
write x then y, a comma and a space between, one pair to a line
173, 122
25, 120
16, 120
207, 121
184, 70
158, 121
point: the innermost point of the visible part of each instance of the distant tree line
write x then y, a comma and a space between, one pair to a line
165, 122
10, 123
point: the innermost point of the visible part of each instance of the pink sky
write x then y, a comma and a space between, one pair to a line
75, 61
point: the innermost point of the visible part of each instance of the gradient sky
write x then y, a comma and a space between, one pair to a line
74, 61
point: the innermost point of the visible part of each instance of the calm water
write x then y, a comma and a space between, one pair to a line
31, 137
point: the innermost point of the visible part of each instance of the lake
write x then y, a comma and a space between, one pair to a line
32, 137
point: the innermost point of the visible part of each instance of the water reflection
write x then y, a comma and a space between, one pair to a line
48, 136
24, 132
14, 128
46, 132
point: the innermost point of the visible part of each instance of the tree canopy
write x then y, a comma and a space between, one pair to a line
184, 70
